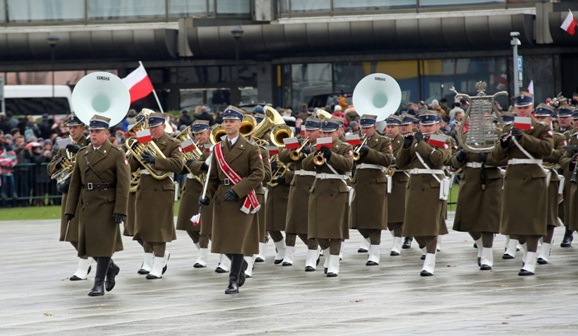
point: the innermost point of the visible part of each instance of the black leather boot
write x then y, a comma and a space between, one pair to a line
101, 269
568, 237
407, 243
237, 263
111, 274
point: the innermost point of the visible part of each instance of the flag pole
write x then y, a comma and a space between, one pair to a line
154, 93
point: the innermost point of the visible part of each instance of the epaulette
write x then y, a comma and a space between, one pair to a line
173, 139
119, 148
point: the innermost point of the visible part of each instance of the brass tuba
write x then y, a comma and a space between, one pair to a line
321, 114
186, 135
247, 125
66, 168
217, 132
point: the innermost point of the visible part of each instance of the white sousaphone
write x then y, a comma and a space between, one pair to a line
377, 94
100, 93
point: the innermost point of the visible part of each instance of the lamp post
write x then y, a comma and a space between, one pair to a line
515, 42
52, 41
237, 34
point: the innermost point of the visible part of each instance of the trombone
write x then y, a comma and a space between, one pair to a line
295, 154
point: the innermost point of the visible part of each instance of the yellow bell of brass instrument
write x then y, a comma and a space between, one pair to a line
66, 167
190, 155
356, 155
248, 125
280, 132
272, 118
137, 150
319, 159
279, 172
217, 132
321, 114
295, 154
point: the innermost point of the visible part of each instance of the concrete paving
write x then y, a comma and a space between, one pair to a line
36, 297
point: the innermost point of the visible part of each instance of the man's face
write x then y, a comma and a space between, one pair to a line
157, 131
564, 121
232, 127
405, 129
20, 142
544, 120
313, 134
340, 131
368, 131
76, 132
98, 137
202, 137
427, 129
458, 116
524, 111
392, 131
334, 135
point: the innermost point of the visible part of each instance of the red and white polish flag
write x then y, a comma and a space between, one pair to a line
291, 143
324, 142
569, 24
144, 136
353, 139
437, 140
138, 83
188, 146
523, 123
273, 150
531, 87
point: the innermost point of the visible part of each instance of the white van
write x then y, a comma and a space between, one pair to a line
36, 100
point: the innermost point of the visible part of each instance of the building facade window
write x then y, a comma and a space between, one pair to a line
237, 7
370, 5
183, 8
127, 9
44, 10
452, 3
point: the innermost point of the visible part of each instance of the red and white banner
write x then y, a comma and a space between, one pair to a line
138, 84
569, 24
273, 150
144, 136
291, 143
188, 146
523, 123
324, 142
531, 87
437, 140
353, 139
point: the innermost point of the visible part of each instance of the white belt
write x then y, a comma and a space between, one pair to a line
190, 176
477, 165
369, 166
325, 176
303, 172
144, 172
426, 171
524, 161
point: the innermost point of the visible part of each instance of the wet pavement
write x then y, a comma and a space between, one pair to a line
36, 297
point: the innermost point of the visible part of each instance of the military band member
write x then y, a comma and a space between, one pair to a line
130, 222
396, 192
69, 230
369, 206
525, 182
192, 191
237, 170
155, 198
328, 201
565, 127
568, 163
408, 126
99, 191
298, 205
425, 164
543, 114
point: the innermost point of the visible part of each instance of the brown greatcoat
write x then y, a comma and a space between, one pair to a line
550, 163
72, 234
369, 207
190, 198
235, 232
298, 200
328, 201
130, 221
155, 198
260, 191
423, 190
571, 188
98, 235
396, 199
276, 203
206, 225
525, 184
478, 206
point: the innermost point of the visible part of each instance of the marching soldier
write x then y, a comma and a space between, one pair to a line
568, 163
193, 190
236, 171
99, 191
369, 206
69, 229
396, 186
525, 181
298, 205
328, 200
155, 198
565, 127
543, 114
425, 163
407, 127
130, 221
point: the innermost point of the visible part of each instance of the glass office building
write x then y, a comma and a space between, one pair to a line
290, 51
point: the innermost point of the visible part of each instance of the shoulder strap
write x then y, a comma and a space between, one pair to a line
90, 167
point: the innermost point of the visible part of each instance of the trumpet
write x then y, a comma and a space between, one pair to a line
295, 154
319, 159
356, 155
